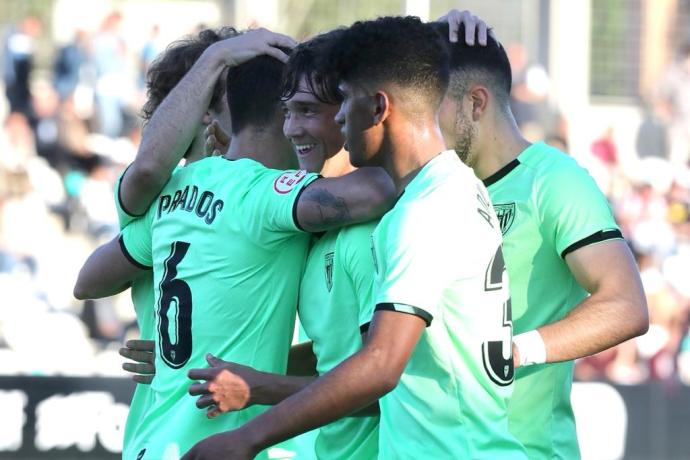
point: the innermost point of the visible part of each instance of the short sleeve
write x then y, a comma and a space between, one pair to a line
124, 217
359, 264
135, 241
573, 211
413, 267
271, 201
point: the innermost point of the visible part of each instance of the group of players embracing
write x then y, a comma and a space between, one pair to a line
446, 270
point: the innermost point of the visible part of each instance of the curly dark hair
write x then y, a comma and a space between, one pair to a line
486, 64
310, 59
394, 49
169, 67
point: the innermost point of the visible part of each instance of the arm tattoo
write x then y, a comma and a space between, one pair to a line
332, 209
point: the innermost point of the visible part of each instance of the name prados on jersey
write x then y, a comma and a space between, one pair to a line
204, 204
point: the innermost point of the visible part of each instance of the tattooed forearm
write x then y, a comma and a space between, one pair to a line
329, 209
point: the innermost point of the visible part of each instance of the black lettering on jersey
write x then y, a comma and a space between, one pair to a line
141, 453
206, 207
192, 199
484, 204
182, 202
215, 209
175, 200
163, 204
204, 203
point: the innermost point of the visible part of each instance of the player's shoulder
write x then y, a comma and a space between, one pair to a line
553, 169
358, 230
356, 235
544, 159
223, 171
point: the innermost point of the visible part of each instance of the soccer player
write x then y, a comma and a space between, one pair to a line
560, 243
224, 238
165, 72
439, 345
336, 301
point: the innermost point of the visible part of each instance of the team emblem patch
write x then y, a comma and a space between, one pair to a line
329, 270
288, 180
506, 215
373, 255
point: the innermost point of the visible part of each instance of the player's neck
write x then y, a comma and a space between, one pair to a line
261, 145
498, 145
337, 165
411, 147
195, 152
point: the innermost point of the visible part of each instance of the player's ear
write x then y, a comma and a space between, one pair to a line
382, 107
479, 96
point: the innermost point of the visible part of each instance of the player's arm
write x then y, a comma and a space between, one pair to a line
302, 360
173, 125
334, 202
231, 386
107, 271
615, 311
355, 383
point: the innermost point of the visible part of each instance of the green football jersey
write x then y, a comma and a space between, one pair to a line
142, 299
335, 302
548, 206
438, 256
227, 257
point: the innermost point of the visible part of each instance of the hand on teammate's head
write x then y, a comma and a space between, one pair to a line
217, 140
474, 26
252, 43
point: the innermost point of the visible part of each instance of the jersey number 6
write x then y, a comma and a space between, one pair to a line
175, 293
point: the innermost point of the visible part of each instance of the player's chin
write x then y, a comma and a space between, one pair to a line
356, 160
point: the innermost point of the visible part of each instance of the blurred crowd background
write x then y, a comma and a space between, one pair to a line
606, 80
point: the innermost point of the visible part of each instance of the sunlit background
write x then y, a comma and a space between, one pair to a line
606, 80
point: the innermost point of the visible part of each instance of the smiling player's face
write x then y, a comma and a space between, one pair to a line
311, 128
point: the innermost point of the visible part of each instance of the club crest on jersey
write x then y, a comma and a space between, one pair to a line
506, 215
329, 270
373, 255
288, 180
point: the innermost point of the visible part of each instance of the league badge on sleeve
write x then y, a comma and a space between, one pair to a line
288, 180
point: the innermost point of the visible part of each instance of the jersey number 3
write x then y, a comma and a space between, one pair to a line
175, 293
498, 355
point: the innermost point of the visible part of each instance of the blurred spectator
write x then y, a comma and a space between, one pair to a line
604, 148
674, 93
68, 65
109, 53
529, 98
96, 197
150, 50
18, 55
73, 139
46, 104
652, 135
